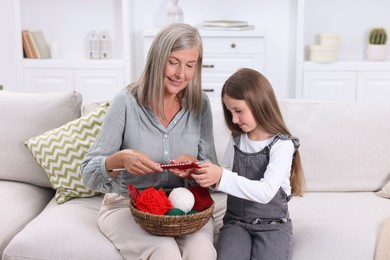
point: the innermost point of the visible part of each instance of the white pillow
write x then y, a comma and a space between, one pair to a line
23, 115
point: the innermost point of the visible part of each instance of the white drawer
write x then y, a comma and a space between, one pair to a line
212, 84
229, 64
233, 45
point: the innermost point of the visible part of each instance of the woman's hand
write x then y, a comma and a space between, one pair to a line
207, 175
133, 161
184, 158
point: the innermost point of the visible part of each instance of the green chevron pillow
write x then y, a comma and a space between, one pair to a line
60, 152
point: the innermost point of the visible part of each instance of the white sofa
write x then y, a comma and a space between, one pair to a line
345, 149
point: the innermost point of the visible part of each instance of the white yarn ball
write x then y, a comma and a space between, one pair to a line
182, 198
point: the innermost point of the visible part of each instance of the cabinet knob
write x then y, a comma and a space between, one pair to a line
233, 45
207, 66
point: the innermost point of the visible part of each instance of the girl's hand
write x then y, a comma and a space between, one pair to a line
207, 175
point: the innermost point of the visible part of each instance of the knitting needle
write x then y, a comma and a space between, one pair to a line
168, 166
117, 170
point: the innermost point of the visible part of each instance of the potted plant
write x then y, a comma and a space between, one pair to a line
376, 48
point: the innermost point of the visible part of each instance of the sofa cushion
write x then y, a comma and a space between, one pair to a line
91, 106
66, 231
23, 115
60, 152
344, 146
70, 231
337, 225
19, 204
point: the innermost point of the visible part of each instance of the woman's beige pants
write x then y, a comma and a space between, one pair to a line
117, 224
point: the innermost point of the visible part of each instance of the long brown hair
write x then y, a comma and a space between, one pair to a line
252, 87
149, 89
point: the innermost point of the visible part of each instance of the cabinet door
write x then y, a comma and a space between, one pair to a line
374, 86
99, 84
47, 80
329, 86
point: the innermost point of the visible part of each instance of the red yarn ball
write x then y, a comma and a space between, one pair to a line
153, 201
202, 197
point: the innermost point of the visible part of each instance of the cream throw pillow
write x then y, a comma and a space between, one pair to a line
60, 152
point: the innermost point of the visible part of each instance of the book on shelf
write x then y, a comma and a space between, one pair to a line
43, 47
35, 45
236, 28
29, 46
226, 25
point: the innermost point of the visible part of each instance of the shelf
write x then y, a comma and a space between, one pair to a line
73, 63
215, 33
347, 65
58, 20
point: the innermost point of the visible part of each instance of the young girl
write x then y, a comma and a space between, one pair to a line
265, 172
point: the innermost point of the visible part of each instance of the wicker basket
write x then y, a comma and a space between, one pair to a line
164, 225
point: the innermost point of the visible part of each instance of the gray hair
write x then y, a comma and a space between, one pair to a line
149, 89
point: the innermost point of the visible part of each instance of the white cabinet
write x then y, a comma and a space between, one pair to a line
329, 86
96, 79
373, 86
53, 80
99, 84
346, 81
351, 77
223, 53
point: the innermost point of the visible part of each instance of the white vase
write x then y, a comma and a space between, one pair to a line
376, 52
174, 14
